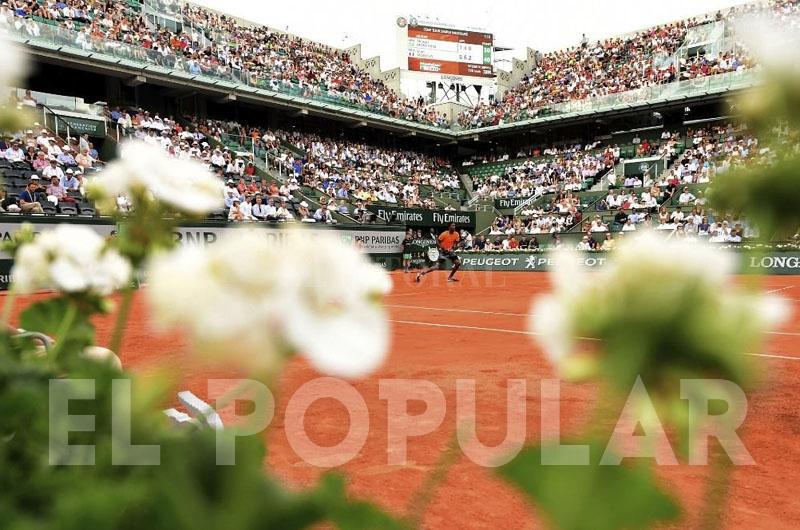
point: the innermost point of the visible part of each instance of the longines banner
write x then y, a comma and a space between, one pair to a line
419, 217
776, 263
509, 204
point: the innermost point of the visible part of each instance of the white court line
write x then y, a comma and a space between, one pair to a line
476, 328
771, 356
448, 310
778, 290
517, 332
456, 326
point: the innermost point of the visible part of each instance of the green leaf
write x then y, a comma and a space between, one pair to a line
21, 237
591, 497
351, 515
62, 319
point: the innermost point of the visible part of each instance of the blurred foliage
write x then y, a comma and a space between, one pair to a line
146, 229
594, 496
768, 193
675, 328
66, 318
187, 490
15, 118
24, 235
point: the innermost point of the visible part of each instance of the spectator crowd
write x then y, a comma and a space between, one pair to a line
558, 169
347, 171
45, 174
218, 45
622, 64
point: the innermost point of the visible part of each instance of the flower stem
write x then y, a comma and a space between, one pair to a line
423, 497
11, 295
63, 329
719, 480
122, 319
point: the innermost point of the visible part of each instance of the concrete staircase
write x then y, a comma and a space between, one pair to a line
519, 69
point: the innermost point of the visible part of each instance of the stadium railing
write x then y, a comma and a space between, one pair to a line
678, 90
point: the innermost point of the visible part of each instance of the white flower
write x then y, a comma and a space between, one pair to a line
224, 295
661, 301
550, 323
15, 63
185, 185
333, 299
254, 298
651, 252
774, 41
70, 259
773, 310
31, 268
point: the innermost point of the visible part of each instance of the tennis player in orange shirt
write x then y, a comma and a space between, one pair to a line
448, 241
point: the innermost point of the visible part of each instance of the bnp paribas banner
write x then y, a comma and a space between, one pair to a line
383, 244
419, 217
778, 263
40, 224
375, 240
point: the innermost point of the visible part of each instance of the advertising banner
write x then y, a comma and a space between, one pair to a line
7, 230
94, 128
382, 244
419, 217
509, 204
775, 263
388, 240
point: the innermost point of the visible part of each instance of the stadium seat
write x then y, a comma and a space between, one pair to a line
67, 209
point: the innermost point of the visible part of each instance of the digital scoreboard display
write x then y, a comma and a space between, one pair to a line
448, 51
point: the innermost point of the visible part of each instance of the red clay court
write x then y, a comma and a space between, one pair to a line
476, 329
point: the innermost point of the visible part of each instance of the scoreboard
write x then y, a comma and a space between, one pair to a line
438, 50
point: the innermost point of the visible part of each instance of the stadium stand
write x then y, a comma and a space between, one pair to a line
355, 172
343, 176
647, 166
672, 201
45, 174
220, 46
646, 58
569, 169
